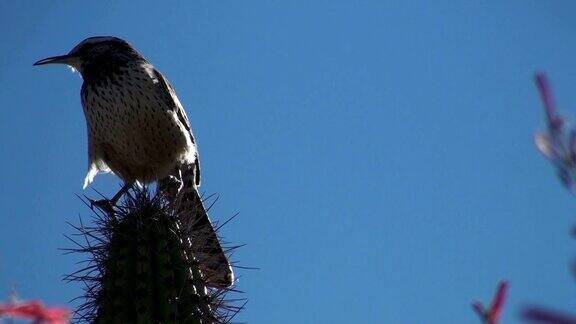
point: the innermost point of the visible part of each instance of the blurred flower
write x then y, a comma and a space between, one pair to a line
555, 122
543, 316
35, 310
557, 145
492, 314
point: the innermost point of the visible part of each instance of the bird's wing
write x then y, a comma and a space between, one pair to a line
172, 101
205, 244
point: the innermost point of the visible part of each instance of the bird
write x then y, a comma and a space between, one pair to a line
138, 130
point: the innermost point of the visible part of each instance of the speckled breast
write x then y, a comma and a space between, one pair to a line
131, 127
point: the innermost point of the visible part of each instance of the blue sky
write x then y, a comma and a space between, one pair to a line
379, 152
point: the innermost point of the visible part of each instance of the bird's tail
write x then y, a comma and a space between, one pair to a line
202, 238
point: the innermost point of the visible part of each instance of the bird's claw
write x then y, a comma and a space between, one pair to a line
104, 205
178, 181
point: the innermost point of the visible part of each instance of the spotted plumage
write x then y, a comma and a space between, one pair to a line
134, 127
138, 129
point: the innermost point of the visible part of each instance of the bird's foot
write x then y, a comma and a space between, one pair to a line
105, 205
177, 181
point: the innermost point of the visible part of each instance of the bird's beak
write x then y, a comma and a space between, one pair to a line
67, 59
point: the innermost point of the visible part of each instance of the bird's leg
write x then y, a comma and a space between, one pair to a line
120, 193
108, 205
180, 180
172, 184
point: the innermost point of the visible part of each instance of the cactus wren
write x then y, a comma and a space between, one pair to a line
138, 129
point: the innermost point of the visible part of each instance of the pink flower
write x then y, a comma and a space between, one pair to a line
558, 145
555, 122
35, 310
492, 314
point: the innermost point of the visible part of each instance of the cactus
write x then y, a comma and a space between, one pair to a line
139, 269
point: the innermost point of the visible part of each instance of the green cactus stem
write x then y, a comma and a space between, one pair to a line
139, 269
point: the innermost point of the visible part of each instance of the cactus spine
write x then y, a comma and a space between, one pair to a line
140, 270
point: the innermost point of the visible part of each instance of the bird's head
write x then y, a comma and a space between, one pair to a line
96, 53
